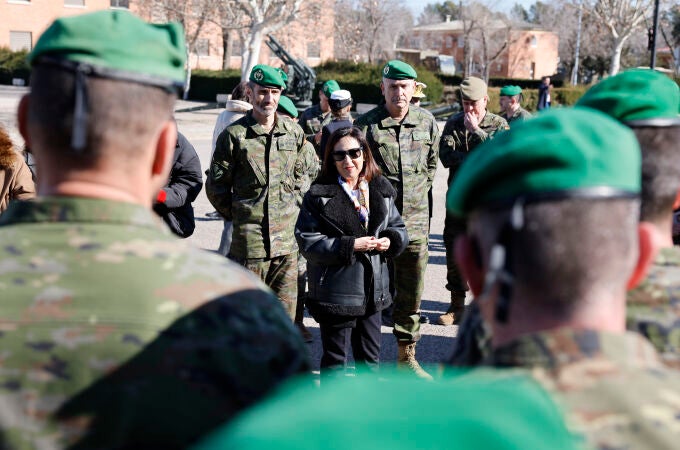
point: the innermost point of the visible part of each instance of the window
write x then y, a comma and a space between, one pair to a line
314, 49
237, 47
202, 47
74, 2
461, 41
120, 4
20, 40
449, 41
534, 42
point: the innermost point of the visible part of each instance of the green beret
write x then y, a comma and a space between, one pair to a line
287, 106
473, 88
560, 153
399, 70
284, 75
636, 97
510, 91
267, 76
329, 87
116, 44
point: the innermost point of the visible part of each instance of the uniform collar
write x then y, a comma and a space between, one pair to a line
409, 119
279, 125
79, 210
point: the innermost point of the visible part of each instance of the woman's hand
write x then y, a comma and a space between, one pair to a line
365, 244
382, 244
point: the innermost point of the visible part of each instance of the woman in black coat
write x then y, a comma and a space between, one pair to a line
347, 228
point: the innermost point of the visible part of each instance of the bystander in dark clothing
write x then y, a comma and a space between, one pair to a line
544, 93
173, 203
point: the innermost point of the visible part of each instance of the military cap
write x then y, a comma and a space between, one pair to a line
329, 87
111, 44
267, 76
473, 88
340, 99
287, 106
116, 44
284, 75
399, 70
418, 93
510, 91
640, 97
575, 152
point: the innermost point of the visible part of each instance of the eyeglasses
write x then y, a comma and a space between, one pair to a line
339, 155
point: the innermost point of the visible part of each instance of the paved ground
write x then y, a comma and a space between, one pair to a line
197, 125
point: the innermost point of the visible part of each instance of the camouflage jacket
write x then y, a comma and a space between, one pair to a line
313, 119
653, 308
520, 114
257, 179
457, 142
614, 390
406, 153
116, 334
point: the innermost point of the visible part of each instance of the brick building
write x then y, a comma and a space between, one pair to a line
531, 52
309, 38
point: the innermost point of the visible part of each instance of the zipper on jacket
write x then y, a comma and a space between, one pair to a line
323, 275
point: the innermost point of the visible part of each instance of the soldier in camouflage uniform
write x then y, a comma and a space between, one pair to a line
404, 141
313, 119
462, 134
258, 175
510, 101
114, 333
552, 242
647, 102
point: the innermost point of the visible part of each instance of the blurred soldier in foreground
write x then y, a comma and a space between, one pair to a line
261, 168
115, 334
462, 134
510, 101
552, 244
404, 141
316, 116
647, 102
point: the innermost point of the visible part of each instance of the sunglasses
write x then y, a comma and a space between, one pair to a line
339, 155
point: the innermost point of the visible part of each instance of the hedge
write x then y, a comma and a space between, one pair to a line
13, 65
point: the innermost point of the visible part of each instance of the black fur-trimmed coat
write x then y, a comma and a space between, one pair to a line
343, 282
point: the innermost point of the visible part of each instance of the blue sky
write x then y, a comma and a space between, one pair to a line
505, 5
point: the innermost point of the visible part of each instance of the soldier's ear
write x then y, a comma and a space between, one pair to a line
649, 242
469, 260
164, 152
676, 204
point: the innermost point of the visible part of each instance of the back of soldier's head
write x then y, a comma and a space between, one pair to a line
647, 102
558, 194
95, 93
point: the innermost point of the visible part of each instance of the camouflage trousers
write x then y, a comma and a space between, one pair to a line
281, 275
409, 282
454, 280
301, 289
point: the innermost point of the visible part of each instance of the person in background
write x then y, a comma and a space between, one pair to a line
510, 101
647, 102
116, 334
237, 106
418, 94
316, 116
347, 228
174, 201
341, 105
404, 141
544, 94
287, 108
16, 179
552, 244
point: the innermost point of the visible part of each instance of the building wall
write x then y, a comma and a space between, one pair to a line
309, 38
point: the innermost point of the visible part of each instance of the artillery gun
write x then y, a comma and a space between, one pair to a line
301, 78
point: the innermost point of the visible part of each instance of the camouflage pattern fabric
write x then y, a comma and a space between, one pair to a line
116, 334
455, 144
520, 114
406, 153
653, 308
312, 120
257, 179
281, 275
613, 388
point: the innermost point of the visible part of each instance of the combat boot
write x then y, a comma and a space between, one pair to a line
406, 360
455, 312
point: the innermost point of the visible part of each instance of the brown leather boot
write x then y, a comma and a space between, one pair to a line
455, 312
406, 360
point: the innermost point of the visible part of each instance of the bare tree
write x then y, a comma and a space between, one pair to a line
622, 18
230, 18
267, 16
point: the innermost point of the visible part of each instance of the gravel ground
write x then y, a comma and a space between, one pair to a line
196, 122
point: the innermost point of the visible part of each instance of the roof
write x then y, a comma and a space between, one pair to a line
459, 25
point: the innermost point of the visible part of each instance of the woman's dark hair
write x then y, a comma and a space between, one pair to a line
330, 173
239, 92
